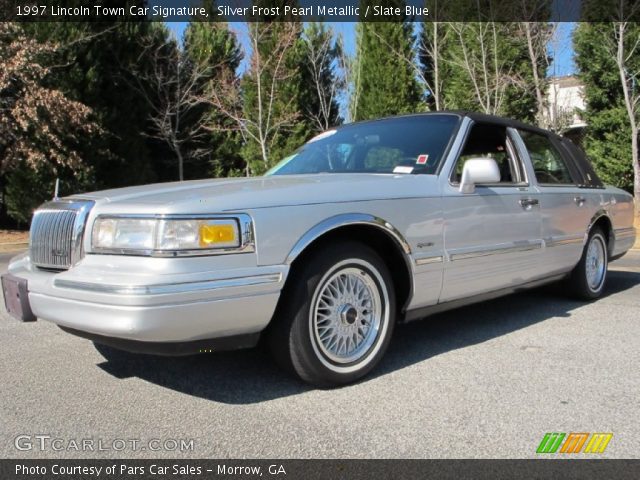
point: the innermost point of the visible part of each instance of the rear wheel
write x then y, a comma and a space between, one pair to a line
589, 276
336, 316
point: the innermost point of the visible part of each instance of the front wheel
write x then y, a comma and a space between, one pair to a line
589, 276
336, 316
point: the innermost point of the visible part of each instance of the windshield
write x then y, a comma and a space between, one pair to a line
399, 145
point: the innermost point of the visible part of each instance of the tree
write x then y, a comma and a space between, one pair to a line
604, 54
214, 45
538, 35
490, 70
263, 105
174, 83
432, 48
41, 128
321, 53
385, 77
627, 41
97, 67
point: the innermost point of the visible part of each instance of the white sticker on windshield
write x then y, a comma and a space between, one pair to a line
326, 134
402, 169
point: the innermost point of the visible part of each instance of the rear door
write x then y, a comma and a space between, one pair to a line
565, 208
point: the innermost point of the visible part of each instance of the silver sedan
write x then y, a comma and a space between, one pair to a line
365, 226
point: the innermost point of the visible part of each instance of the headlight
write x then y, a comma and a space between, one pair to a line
166, 236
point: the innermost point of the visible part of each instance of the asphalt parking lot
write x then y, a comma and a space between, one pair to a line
486, 381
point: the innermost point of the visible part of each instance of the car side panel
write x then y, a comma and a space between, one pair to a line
566, 213
492, 242
619, 205
418, 220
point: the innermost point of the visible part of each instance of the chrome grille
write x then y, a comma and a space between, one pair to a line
56, 233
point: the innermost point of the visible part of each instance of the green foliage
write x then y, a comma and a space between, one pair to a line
607, 136
41, 128
491, 70
383, 73
26, 188
214, 45
97, 63
320, 84
272, 94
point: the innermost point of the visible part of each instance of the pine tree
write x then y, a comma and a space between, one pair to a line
434, 64
489, 70
96, 65
321, 83
607, 139
271, 92
384, 77
212, 44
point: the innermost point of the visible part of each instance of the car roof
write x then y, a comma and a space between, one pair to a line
475, 116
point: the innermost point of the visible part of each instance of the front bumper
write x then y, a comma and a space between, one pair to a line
155, 300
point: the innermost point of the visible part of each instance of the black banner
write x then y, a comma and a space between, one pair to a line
319, 469
318, 10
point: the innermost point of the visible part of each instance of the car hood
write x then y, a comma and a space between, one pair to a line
233, 194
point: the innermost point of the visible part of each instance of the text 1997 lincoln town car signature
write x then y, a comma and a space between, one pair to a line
366, 225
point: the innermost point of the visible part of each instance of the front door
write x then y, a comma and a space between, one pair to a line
492, 236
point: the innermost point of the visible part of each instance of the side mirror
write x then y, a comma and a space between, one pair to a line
478, 170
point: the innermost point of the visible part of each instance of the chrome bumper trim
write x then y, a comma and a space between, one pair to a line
170, 288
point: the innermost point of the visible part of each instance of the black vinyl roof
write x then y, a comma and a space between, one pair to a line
475, 116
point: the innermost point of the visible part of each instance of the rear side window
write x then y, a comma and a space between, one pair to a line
550, 168
588, 177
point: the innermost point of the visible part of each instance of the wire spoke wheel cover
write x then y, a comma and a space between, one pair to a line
595, 263
349, 314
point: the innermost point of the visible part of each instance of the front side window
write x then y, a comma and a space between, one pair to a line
415, 144
549, 166
490, 141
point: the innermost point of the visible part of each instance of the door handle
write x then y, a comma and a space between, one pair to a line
527, 203
579, 200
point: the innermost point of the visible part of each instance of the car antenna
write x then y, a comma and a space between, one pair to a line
57, 187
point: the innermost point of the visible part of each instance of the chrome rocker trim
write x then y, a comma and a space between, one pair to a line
523, 246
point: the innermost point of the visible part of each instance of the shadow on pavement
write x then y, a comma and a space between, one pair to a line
250, 376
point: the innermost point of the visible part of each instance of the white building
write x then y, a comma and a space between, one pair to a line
565, 98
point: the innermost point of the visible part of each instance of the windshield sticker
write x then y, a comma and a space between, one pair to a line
326, 134
402, 169
422, 159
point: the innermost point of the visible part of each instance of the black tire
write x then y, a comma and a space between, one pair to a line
305, 326
584, 283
